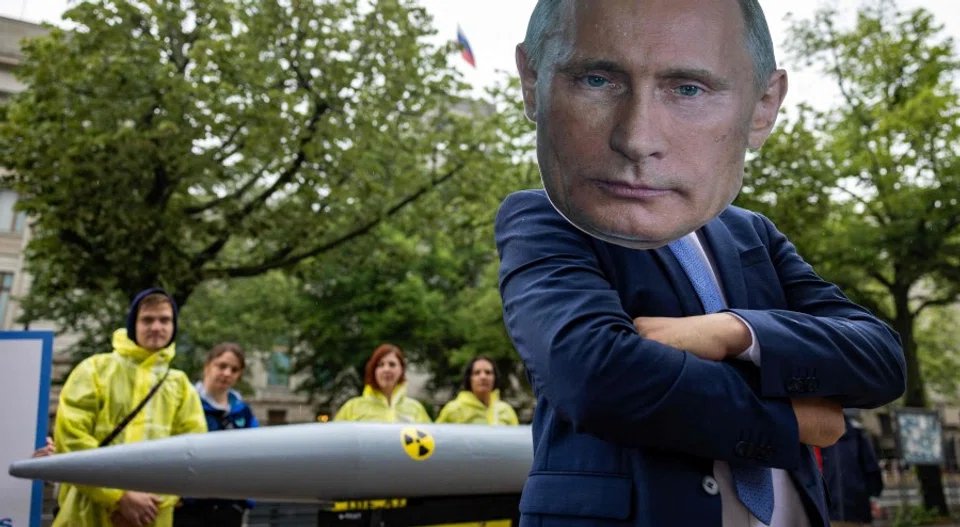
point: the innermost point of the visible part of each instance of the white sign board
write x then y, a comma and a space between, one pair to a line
919, 436
25, 358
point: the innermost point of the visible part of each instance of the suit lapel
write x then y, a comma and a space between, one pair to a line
726, 257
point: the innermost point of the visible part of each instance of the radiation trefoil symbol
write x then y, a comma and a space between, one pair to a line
419, 445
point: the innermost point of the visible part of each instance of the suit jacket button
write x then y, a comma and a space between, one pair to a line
710, 485
812, 384
794, 385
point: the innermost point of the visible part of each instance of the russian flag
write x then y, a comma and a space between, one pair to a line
465, 47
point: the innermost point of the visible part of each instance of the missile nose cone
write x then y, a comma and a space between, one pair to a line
24, 469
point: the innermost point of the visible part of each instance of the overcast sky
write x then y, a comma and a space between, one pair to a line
494, 27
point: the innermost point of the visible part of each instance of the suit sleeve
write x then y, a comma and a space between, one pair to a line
823, 345
586, 359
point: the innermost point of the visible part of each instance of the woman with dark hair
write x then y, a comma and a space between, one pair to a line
384, 397
225, 410
479, 401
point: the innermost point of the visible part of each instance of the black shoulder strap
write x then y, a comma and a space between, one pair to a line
126, 420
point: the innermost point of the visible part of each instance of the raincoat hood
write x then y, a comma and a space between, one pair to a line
373, 406
399, 393
467, 408
127, 348
469, 399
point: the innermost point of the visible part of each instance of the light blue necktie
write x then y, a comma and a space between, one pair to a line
754, 484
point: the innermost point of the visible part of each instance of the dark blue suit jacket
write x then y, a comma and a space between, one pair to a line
626, 429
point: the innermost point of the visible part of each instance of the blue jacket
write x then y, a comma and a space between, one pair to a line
239, 415
626, 430
852, 476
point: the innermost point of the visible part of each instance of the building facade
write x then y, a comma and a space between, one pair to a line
13, 226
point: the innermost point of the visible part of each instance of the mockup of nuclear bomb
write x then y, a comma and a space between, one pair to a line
307, 463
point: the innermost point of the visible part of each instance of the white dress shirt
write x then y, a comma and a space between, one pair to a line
788, 510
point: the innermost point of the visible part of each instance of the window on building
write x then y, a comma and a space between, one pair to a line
278, 370
6, 288
10, 220
276, 417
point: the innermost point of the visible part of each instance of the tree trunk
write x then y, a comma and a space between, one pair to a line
931, 485
931, 481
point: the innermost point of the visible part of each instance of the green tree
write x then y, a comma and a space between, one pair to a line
432, 291
259, 313
175, 143
938, 350
868, 190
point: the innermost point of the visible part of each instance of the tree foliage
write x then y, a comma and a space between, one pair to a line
260, 313
869, 189
938, 345
427, 285
177, 143
435, 300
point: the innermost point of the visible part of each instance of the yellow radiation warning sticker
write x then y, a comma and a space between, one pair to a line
417, 444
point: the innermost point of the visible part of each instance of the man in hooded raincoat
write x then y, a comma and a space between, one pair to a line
103, 389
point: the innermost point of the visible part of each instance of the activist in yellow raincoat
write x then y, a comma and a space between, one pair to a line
98, 394
479, 401
468, 409
373, 406
384, 397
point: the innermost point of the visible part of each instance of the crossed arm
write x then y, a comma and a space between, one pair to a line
667, 385
722, 336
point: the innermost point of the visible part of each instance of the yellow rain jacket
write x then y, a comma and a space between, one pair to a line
97, 395
468, 409
373, 406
